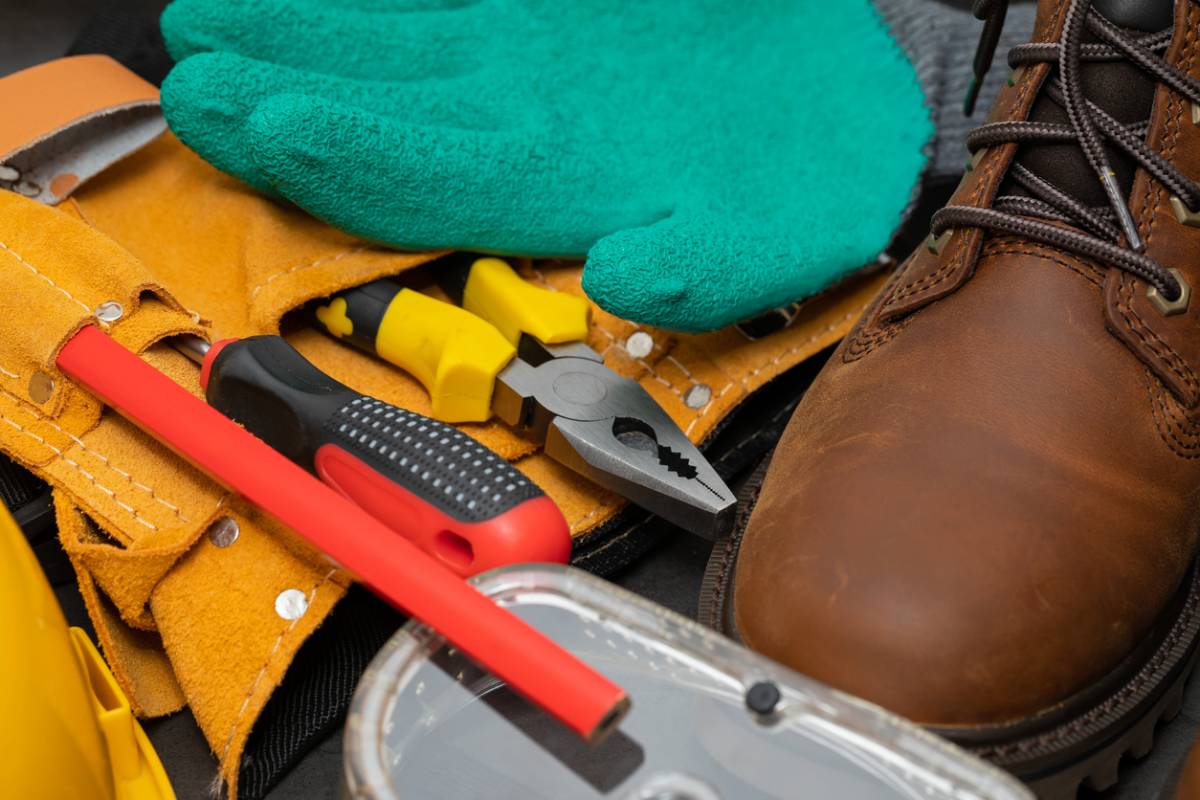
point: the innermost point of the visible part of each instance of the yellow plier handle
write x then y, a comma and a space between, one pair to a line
495, 292
456, 353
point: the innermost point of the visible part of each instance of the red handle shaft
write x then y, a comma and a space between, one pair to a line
388, 564
439, 488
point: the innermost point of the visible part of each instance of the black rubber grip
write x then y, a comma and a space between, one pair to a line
451, 273
435, 461
366, 306
265, 385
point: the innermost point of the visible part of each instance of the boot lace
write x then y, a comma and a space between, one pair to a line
1108, 235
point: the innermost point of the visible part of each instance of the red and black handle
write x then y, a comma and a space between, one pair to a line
450, 495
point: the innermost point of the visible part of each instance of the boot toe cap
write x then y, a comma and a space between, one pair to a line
935, 590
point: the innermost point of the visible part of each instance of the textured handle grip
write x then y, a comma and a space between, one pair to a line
437, 463
425, 479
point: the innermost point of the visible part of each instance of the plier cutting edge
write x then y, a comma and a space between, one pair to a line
517, 351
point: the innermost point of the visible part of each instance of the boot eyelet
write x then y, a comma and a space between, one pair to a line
935, 245
1195, 114
1184, 214
1169, 308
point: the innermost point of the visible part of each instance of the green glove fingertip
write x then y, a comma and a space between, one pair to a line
692, 272
203, 105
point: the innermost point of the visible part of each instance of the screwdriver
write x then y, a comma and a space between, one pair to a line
450, 495
391, 566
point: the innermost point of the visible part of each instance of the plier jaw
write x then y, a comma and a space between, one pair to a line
611, 430
700, 504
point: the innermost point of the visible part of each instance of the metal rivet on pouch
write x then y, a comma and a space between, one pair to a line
41, 387
291, 604
639, 344
109, 311
698, 396
225, 532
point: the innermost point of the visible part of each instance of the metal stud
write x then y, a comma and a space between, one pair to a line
763, 698
935, 245
41, 387
1167, 307
639, 344
1184, 214
698, 396
291, 604
109, 311
225, 532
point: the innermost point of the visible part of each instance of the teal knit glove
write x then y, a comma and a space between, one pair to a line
711, 159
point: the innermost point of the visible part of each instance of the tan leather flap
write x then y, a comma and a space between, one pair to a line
42, 99
67, 120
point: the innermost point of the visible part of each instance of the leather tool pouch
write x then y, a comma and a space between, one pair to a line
183, 581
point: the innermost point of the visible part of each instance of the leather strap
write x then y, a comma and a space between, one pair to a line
67, 120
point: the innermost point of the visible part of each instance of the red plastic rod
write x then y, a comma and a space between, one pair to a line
388, 564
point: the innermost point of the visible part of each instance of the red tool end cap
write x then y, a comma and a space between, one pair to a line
536, 529
213, 352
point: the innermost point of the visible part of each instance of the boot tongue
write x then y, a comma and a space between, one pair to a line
1122, 89
1148, 16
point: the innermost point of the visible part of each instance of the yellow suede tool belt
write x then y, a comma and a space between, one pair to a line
182, 580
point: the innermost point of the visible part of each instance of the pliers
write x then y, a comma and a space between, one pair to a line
517, 351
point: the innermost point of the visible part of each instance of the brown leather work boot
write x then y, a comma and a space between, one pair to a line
1188, 787
984, 513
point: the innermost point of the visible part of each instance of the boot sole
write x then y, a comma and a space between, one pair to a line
1080, 742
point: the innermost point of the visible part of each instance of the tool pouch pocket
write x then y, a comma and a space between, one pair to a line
195, 597
247, 261
182, 582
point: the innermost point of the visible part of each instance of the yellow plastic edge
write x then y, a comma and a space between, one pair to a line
138, 773
68, 726
453, 353
495, 292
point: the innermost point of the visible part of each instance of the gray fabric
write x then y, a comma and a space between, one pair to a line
940, 41
84, 148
